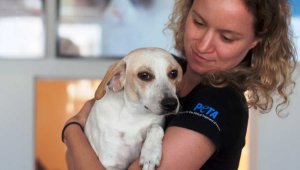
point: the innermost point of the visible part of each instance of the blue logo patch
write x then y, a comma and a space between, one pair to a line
206, 110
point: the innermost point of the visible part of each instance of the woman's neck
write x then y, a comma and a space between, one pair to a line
189, 81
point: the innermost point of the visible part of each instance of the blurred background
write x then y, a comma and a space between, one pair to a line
53, 54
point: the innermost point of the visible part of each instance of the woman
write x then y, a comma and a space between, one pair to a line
230, 46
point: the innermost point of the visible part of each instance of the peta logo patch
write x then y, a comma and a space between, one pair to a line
206, 110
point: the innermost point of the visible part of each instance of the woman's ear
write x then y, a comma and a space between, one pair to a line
114, 79
255, 42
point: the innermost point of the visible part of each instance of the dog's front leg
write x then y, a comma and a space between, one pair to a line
152, 148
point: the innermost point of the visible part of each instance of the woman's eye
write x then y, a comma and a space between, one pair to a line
199, 23
226, 39
173, 74
145, 76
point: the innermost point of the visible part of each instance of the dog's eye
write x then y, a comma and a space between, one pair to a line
173, 74
145, 76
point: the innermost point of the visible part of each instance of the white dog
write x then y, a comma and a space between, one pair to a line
126, 120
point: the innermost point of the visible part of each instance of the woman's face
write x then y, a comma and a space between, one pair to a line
218, 35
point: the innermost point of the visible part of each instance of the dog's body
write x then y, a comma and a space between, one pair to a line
132, 99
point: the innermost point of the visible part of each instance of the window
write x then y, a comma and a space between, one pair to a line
111, 28
21, 29
295, 6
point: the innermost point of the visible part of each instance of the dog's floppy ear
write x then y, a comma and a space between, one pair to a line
179, 79
114, 79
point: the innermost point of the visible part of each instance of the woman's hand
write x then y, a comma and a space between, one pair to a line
83, 114
135, 165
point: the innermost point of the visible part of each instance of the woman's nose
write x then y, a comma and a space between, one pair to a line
205, 42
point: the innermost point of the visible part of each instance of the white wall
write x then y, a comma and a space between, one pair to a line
278, 138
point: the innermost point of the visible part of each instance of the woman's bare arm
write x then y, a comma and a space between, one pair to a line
183, 149
80, 154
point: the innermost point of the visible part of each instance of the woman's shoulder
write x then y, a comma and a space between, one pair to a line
217, 103
216, 93
214, 112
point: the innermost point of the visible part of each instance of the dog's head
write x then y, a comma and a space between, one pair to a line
148, 76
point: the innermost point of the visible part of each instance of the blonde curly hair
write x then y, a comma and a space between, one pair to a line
267, 68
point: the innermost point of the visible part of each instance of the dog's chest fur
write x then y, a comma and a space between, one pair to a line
116, 130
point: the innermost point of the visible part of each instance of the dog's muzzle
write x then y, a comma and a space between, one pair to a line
169, 104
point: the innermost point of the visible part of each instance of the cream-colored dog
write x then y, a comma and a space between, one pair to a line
126, 120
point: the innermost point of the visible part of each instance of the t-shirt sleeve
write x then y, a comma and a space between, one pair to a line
207, 110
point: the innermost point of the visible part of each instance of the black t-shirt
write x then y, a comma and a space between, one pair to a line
221, 114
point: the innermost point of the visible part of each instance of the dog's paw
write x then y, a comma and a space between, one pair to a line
150, 158
152, 149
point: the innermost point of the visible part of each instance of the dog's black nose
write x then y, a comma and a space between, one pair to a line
169, 104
